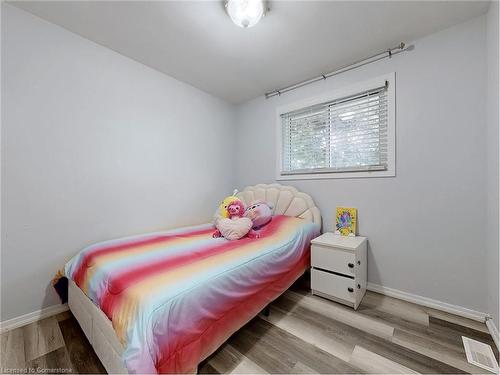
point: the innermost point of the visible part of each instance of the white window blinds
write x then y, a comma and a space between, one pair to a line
344, 135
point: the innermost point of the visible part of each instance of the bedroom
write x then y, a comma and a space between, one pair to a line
125, 124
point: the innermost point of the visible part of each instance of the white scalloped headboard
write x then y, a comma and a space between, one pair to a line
286, 200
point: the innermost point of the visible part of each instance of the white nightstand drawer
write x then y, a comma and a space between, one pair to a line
333, 285
333, 259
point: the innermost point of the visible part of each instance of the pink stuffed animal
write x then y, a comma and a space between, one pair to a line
236, 209
234, 223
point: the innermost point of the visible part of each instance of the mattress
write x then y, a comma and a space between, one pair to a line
173, 297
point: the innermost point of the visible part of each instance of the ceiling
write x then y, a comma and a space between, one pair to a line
196, 42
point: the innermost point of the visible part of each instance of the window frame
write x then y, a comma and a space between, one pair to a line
330, 96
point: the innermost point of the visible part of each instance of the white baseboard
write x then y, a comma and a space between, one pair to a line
34, 316
493, 331
429, 302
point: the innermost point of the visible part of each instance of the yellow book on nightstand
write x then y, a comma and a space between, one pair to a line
345, 223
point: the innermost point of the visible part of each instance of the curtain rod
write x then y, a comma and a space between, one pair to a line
367, 60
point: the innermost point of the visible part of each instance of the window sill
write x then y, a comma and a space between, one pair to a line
336, 175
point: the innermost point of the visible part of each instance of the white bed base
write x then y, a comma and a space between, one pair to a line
98, 329
286, 200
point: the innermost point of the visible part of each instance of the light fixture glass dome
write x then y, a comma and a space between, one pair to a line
245, 13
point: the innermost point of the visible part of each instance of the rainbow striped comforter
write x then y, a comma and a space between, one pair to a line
174, 297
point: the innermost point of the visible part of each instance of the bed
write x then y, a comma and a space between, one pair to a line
163, 302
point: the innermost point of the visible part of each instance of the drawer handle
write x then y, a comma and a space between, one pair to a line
350, 265
350, 290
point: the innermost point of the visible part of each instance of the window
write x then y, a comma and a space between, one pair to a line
350, 133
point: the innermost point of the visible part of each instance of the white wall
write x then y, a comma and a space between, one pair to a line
492, 161
95, 146
426, 225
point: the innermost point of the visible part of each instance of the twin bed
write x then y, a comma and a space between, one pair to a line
163, 302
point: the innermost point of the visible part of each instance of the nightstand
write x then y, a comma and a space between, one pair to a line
339, 268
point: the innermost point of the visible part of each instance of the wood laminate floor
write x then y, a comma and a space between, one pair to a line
303, 334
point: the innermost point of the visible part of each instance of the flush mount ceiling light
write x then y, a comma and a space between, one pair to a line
245, 13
